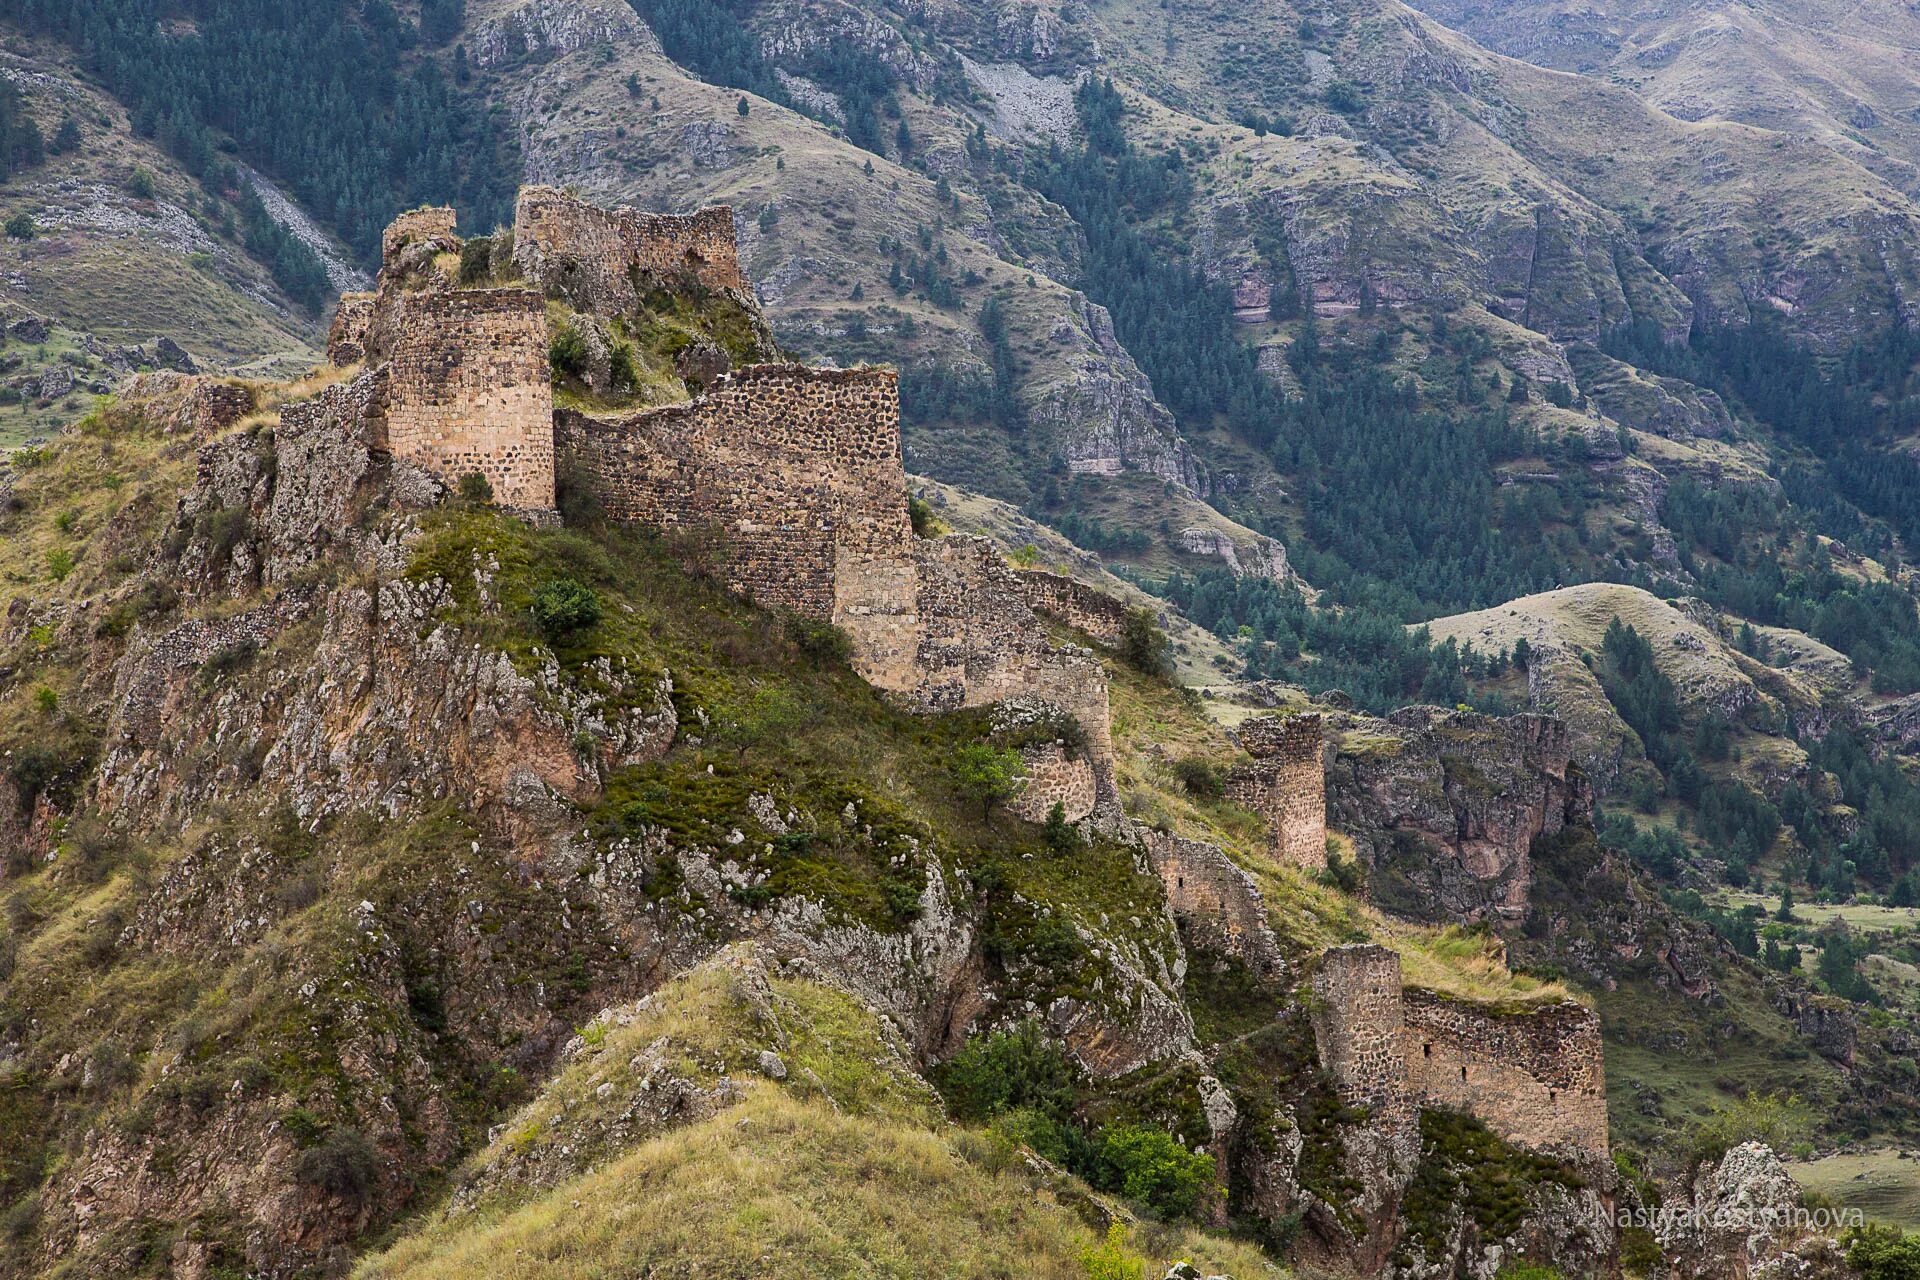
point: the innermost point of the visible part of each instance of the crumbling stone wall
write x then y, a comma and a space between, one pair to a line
972, 640
601, 260
1054, 777
471, 390
1359, 1022
416, 225
1286, 783
182, 404
785, 474
1074, 603
1216, 902
1537, 1078
347, 339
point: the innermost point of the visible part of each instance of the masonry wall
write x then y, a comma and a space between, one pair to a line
1286, 783
1216, 902
471, 390
782, 472
347, 339
601, 259
1074, 603
1055, 778
1537, 1079
1360, 1025
430, 223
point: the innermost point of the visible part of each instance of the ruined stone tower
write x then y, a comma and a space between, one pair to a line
1286, 783
1535, 1076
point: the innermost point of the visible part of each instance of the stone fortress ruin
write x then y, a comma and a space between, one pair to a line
789, 480
791, 475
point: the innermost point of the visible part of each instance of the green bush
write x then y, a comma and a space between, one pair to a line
985, 773
343, 1163
1880, 1252
1200, 778
1111, 1259
476, 488
920, 512
819, 641
1143, 646
564, 607
476, 261
1149, 1167
21, 226
1008, 1071
567, 353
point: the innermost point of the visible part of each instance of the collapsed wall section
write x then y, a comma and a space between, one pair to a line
1074, 603
1537, 1078
470, 390
1216, 902
347, 338
784, 474
601, 260
1286, 783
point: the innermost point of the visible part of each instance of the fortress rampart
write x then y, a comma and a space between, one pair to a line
1536, 1077
417, 225
602, 260
1286, 783
471, 390
347, 339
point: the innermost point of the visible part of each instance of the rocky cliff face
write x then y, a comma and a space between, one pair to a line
1444, 806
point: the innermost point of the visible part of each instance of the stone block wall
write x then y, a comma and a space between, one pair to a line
1077, 605
1286, 783
601, 259
1537, 1079
471, 390
787, 475
347, 339
1216, 902
1359, 1022
1055, 778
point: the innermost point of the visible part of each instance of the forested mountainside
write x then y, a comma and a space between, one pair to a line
1508, 360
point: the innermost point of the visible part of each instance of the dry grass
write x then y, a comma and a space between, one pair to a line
786, 1186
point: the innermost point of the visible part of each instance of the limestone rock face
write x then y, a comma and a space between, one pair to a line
1742, 1224
1444, 806
547, 28
1102, 414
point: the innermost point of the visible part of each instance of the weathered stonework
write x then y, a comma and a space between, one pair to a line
601, 260
471, 390
1216, 903
347, 339
1055, 777
187, 404
1535, 1077
417, 225
790, 475
1079, 606
1286, 783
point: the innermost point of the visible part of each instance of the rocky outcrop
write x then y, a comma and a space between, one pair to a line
1444, 806
1100, 413
548, 28
1745, 1220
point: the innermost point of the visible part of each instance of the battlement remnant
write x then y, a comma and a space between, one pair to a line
347, 338
1076, 604
1286, 783
1536, 1077
471, 390
602, 260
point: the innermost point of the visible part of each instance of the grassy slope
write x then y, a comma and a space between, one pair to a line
122, 268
